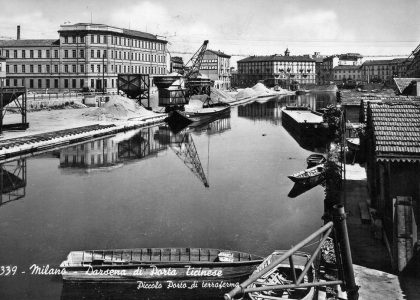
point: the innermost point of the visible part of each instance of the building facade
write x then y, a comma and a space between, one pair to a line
276, 69
216, 66
384, 70
177, 64
393, 165
346, 74
330, 62
85, 55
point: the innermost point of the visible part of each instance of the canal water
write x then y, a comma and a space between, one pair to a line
223, 185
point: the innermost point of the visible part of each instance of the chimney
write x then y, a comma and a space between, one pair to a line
18, 32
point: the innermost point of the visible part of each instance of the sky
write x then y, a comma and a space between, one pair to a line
239, 27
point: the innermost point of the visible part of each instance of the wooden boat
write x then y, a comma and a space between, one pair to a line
282, 275
299, 188
353, 144
158, 264
198, 111
310, 175
315, 159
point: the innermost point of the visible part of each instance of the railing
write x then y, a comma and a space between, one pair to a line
342, 252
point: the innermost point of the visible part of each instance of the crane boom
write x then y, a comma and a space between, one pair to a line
195, 61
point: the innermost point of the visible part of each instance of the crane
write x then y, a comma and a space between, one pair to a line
192, 67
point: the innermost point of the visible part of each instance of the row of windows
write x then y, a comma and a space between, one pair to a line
54, 83
81, 69
92, 159
121, 41
30, 53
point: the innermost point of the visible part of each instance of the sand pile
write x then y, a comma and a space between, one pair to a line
118, 108
219, 95
246, 93
261, 89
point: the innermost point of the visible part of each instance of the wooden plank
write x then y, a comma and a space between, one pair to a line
364, 212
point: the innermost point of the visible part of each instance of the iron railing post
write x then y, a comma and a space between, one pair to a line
340, 225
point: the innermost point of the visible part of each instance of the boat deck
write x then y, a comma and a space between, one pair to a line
155, 255
304, 116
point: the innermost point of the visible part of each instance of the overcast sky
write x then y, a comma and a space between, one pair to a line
238, 27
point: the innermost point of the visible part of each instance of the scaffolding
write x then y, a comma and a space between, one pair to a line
135, 86
17, 96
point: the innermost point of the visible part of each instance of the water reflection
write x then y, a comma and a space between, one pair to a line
299, 188
270, 111
129, 291
12, 181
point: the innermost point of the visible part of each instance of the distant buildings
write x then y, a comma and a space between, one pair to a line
276, 69
85, 55
331, 62
216, 66
384, 70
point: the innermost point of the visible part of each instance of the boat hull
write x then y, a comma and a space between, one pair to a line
309, 176
155, 265
197, 118
282, 275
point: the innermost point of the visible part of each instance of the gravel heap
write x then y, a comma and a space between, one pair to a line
118, 108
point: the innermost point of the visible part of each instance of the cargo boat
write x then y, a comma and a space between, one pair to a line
158, 264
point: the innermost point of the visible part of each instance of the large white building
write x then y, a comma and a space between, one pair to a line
327, 69
85, 55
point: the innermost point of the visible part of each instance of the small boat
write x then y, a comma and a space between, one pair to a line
158, 264
315, 159
299, 188
302, 92
283, 275
198, 111
353, 143
310, 175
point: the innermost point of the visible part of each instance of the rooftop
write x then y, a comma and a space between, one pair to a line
29, 43
403, 83
276, 57
396, 130
107, 28
346, 67
219, 53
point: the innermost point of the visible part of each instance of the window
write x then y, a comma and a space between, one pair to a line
66, 40
23, 69
16, 83
92, 39
39, 69
82, 84
82, 39
31, 83
66, 83
56, 68
73, 68
56, 83
98, 39
66, 53
98, 68
23, 54
7, 53
92, 68
31, 53
73, 39
39, 53
82, 53
55, 53
73, 83
74, 55
105, 69
92, 53
47, 53
47, 83
39, 83
105, 54
82, 68
66, 68
15, 53
92, 83
7, 68
98, 53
